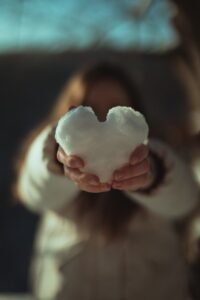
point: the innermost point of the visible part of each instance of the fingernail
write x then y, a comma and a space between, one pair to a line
74, 163
78, 165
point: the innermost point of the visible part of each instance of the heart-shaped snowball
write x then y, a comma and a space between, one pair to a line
104, 146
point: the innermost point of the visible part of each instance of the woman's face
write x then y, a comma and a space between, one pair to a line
105, 95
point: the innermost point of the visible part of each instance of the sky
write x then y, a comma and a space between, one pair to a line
57, 25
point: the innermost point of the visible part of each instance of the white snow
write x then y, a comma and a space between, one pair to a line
104, 146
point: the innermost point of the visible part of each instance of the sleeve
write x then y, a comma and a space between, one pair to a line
39, 188
178, 193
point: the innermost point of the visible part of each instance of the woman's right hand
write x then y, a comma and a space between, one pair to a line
72, 166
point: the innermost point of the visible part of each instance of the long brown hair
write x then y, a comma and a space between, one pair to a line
105, 215
76, 90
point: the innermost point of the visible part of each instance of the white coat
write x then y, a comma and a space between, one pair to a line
146, 263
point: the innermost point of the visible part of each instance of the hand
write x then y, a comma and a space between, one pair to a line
86, 182
137, 174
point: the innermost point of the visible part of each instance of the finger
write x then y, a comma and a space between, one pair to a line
61, 155
74, 161
134, 184
131, 171
89, 179
55, 167
80, 177
71, 161
72, 173
139, 154
95, 189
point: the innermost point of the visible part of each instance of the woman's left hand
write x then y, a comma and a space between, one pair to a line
137, 174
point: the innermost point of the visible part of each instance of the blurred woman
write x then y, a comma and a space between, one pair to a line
105, 240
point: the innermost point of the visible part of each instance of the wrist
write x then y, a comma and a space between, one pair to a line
50, 154
157, 173
55, 166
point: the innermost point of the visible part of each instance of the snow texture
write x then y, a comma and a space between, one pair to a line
104, 146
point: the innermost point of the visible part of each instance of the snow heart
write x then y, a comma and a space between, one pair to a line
104, 146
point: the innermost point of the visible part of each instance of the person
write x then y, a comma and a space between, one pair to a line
105, 240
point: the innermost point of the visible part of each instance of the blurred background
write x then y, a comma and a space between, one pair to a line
43, 42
